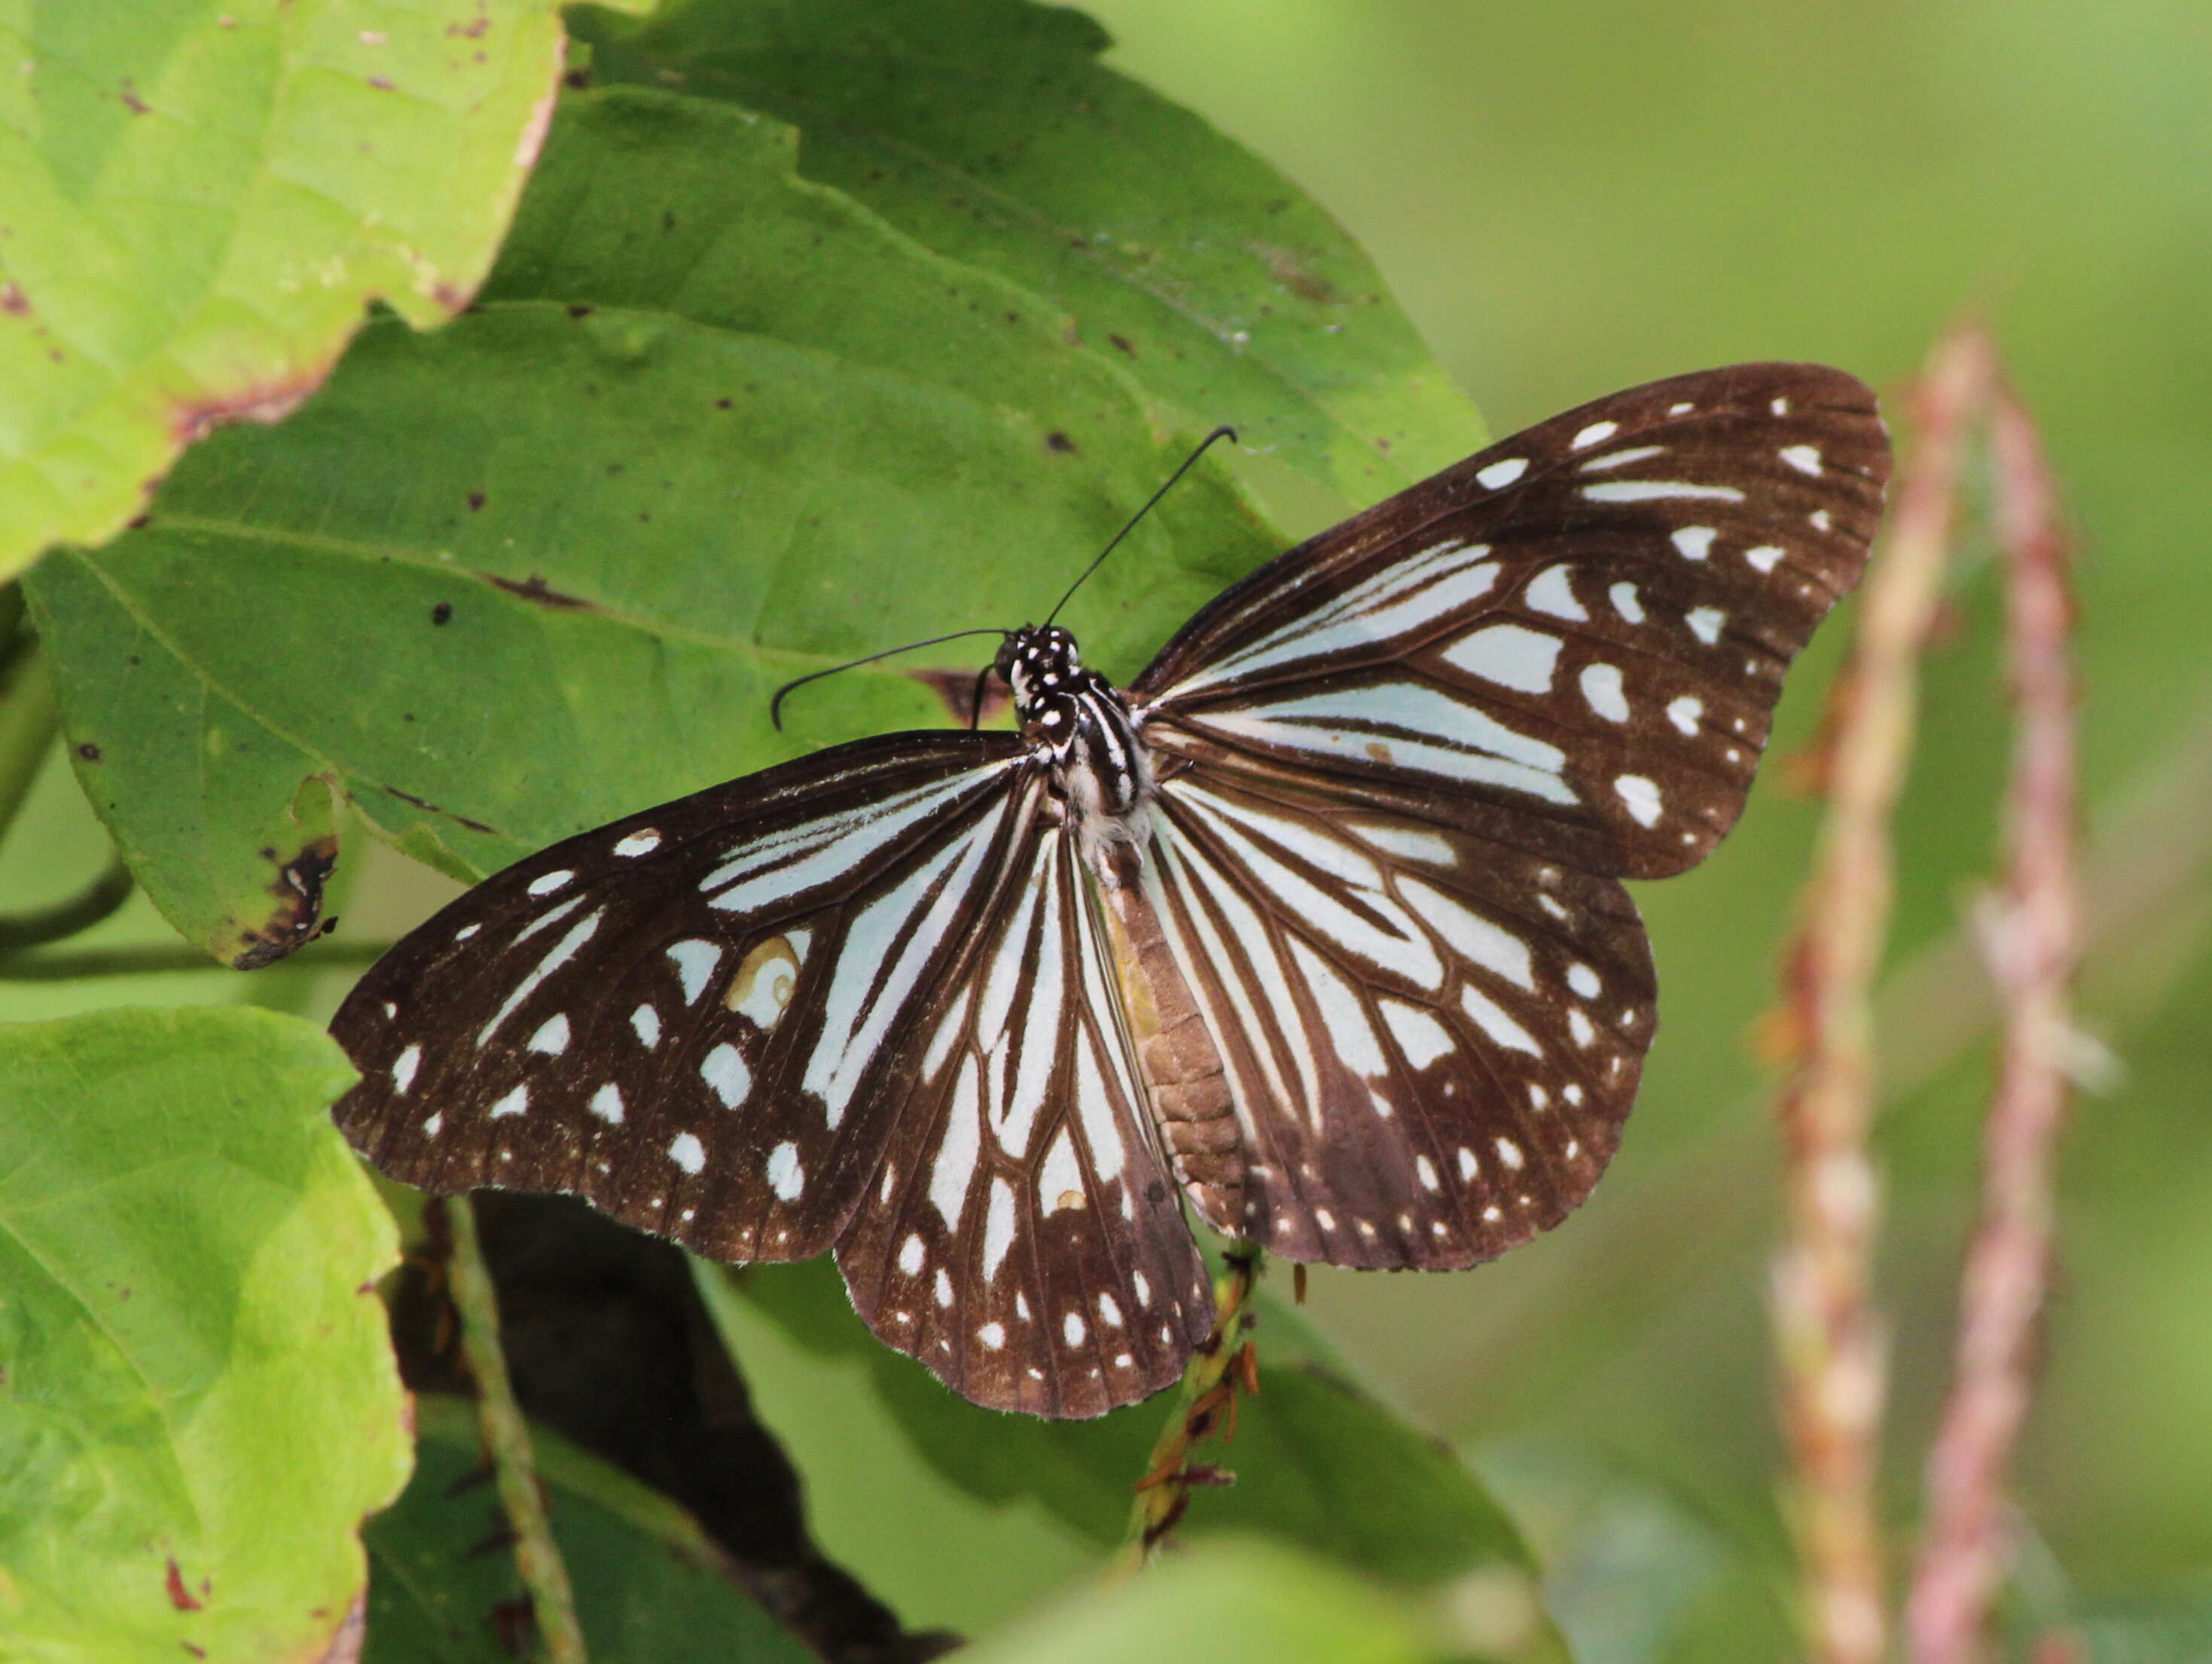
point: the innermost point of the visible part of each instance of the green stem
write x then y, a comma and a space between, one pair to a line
169, 959
1206, 1401
553, 1604
68, 916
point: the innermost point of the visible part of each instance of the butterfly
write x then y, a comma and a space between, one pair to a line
1317, 929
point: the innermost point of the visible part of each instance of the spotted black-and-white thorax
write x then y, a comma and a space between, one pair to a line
1083, 725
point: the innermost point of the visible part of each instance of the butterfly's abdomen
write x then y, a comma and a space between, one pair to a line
1182, 1068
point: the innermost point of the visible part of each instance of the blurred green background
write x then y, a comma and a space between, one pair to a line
1574, 198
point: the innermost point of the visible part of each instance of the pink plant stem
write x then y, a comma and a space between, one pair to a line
1828, 1333
2029, 940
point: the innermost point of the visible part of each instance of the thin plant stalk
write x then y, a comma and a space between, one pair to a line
2029, 937
1828, 1332
506, 1436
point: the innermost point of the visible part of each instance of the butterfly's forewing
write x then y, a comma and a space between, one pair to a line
1432, 1039
1022, 1238
1569, 643
688, 1017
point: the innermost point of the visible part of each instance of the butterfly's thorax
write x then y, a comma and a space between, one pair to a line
1081, 722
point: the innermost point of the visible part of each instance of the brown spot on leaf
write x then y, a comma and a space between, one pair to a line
12, 300
1286, 267
475, 500
89, 751
535, 588
957, 689
382, 83
268, 401
428, 807
180, 1597
1122, 342
1057, 440
442, 613
470, 31
135, 105
581, 309
298, 888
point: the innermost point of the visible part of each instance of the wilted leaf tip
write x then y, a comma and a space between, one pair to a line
298, 888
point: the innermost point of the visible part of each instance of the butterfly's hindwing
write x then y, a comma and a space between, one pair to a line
1022, 1238
1572, 640
1432, 1039
680, 1015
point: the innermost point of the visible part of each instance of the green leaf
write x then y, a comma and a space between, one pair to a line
201, 1403
197, 196
1319, 1462
502, 583
1226, 1600
988, 130
649, 1584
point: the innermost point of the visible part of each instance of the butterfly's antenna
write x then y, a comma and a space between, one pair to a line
1188, 463
775, 705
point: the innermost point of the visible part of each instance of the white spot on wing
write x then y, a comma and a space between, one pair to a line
607, 1104
1657, 490
1427, 1171
1509, 1153
1499, 475
784, 1175
403, 1071
546, 882
964, 1141
1612, 459
430, 1127
1642, 797
1601, 689
725, 1070
1508, 654
998, 1227
643, 842
1580, 1026
1805, 459
695, 962
687, 1152
1705, 624
1496, 950
1696, 542
1407, 843
1418, 1034
1109, 1313
1468, 1166
1583, 980
1684, 713
943, 1287
1491, 1018
993, 1335
512, 1104
1071, 1329
1624, 602
1821, 520
1764, 558
645, 1023
1550, 591
912, 1255
1596, 434
1061, 1183
552, 1036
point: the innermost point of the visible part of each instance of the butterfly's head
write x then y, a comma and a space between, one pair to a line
1038, 661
